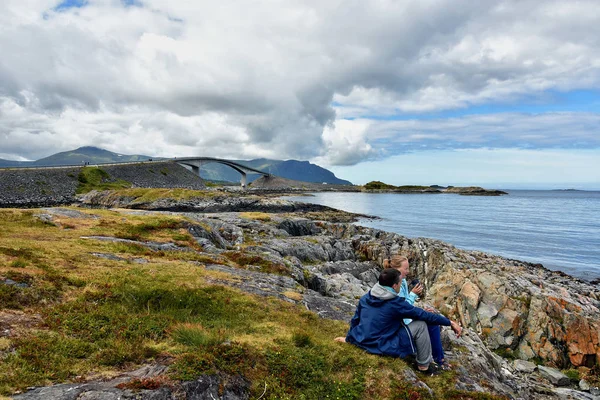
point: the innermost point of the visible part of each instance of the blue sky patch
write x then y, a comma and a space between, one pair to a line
548, 101
132, 3
66, 4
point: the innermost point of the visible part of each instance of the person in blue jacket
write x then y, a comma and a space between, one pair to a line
378, 326
401, 264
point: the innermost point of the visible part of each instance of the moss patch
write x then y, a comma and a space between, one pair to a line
94, 178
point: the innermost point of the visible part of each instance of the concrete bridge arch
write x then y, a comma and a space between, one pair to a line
196, 163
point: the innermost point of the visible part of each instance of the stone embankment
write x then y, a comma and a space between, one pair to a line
38, 187
155, 175
43, 187
511, 309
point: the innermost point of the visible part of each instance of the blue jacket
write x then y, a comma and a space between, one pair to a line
377, 325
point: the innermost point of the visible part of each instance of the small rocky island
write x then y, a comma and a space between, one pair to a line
380, 187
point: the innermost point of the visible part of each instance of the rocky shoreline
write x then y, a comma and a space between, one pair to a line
524, 323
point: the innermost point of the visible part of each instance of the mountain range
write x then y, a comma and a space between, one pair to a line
290, 169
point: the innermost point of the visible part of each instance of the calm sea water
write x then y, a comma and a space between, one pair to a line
559, 229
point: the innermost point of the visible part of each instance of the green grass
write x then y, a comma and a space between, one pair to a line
505, 353
196, 336
20, 263
572, 374
145, 195
102, 316
94, 178
144, 230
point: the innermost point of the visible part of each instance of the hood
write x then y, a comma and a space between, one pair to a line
382, 293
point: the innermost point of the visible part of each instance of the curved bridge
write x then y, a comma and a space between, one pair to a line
196, 162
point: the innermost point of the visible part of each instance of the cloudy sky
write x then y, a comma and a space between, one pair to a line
445, 91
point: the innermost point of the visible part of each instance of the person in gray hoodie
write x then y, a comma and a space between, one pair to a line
378, 326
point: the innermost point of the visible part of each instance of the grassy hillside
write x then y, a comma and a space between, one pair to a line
80, 315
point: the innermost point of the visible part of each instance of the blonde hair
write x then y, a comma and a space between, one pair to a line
399, 259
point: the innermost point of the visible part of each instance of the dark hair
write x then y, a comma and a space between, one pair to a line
389, 277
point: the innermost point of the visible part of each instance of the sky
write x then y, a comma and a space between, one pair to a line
450, 92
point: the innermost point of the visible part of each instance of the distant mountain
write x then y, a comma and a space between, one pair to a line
93, 155
290, 169
90, 154
11, 163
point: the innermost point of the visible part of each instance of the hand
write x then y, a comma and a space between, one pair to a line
430, 309
417, 289
456, 328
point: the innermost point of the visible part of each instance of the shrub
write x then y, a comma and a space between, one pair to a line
196, 336
20, 263
244, 259
21, 253
301, 339
145, 229
572, 374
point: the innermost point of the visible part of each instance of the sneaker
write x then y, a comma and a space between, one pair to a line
432, 369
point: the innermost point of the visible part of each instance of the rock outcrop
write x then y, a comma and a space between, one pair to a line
142, 385
510, 307
214, 203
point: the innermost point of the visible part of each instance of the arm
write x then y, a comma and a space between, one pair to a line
407, 310
356, 318
410, 297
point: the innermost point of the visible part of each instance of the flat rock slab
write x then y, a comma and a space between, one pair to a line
524, 366
570, 394
556, 377
66, 212
113, 257
10, 282
155, 246
204, 387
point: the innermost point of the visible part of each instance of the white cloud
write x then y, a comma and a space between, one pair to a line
346, 143
248, 80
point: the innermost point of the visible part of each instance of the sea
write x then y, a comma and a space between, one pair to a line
559, 229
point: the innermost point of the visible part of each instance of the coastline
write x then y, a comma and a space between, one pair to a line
313, 257
538, 227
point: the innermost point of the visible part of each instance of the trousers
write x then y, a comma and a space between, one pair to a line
435, 338
420, 334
